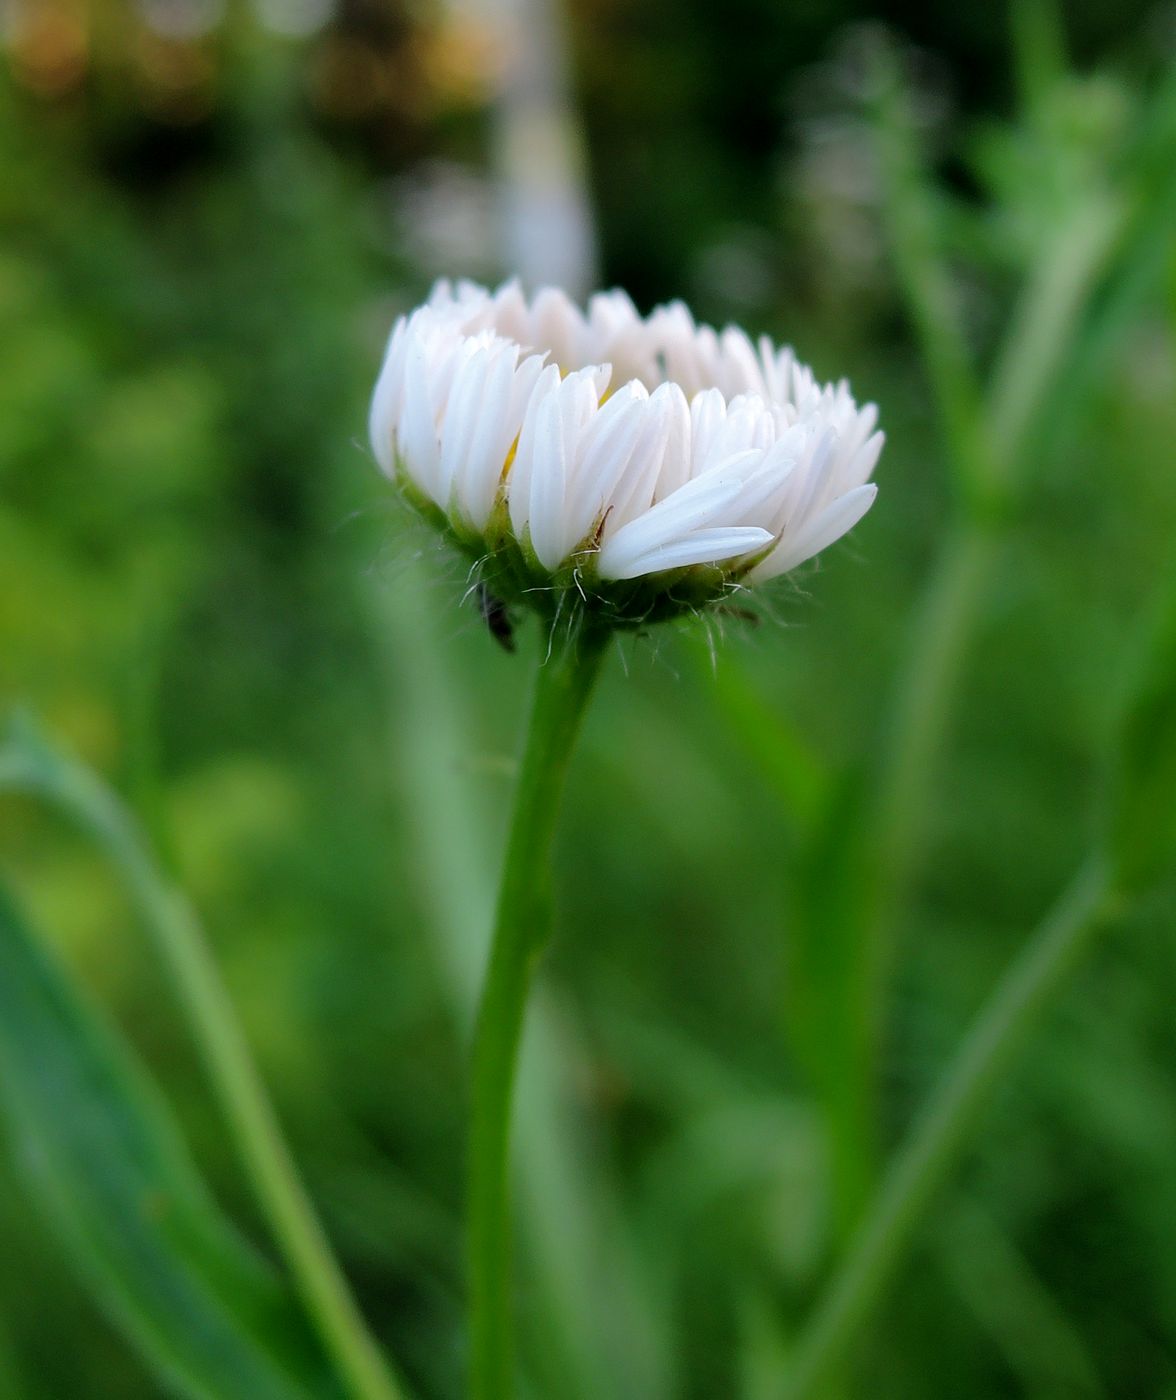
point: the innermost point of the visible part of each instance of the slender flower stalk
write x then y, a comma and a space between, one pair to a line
607, 471
522, 927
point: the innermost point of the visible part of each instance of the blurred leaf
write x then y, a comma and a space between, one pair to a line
1039, 50
101, 1155
829, 984
916, 218
764, 1348
787, 763
1013, 1305
1143, 802
1135, 271
756, 1160
1043, 324
10, 1385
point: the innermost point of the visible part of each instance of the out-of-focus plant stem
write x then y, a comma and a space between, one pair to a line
1039, 50
10, 1384
1043, 328
563, 684
927, 680
1023, 994
913, 223
784, 761
172, 924
1089, 276
924, 698
1142, 257
999, 1286
986, 436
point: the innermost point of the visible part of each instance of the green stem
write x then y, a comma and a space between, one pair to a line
1033, 348
11, 1387
933, 1145
914, 222
1042, 331
988, 440
577, 1260
172, 923
1039, 54
925, 697
522, 924
874, 862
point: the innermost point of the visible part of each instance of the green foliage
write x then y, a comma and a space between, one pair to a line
102, 1157
1143, 802
206, 595
829, 986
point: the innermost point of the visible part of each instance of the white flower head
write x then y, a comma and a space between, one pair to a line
642, 466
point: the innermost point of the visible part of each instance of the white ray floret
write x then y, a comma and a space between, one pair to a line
618, 446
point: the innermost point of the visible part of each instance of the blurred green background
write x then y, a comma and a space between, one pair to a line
210, 213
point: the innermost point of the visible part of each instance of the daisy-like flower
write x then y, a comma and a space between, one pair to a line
634, 466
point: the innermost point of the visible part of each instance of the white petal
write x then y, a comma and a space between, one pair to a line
865, 421
559, 423
549, 481
700, 503
385, 409
855, 453
861, 466
604, 456
417, 434
485, 469
833, 522
500, 413
708, 416
518, 482
810, 492
511, 313
764, 490
633, 494
673, 342
674, 468
706, 437
700, 547
740, 369
556, 325
465, 415
749, 423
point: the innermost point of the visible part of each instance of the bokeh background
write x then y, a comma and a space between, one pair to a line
210, 212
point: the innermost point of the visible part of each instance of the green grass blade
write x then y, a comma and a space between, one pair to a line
915, 220
935, 1142
10, 1384
1024, 1320
1143, 784
28, 765
102, 1157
